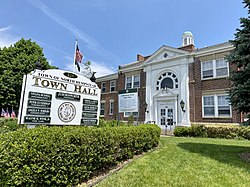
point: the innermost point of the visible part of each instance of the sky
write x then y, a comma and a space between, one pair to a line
112, 32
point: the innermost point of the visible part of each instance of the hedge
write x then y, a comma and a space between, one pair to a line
238, 132
66, 156
9, 125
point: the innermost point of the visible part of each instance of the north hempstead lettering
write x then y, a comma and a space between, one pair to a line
57, 85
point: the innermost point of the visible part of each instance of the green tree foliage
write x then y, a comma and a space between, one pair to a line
15, 61
239, 59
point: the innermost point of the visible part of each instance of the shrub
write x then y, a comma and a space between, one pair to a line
182, 131
66, 156
198, 131
222, 132
9, 125
238, 132
244, 132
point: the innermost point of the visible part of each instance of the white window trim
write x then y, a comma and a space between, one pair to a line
216, 115
111, 102
133, 77
114, 81
214, 69
104, 108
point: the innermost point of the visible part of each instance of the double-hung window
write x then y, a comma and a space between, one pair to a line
103, 87
102, 108
221, 68
112, 86
214, 69
216, 106
132, 82
111, 107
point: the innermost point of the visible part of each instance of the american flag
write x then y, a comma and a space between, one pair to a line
2, 113
13, 115
78, 57
7, 114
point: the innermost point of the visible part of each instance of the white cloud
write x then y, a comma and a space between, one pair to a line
6, 38
101, 69
51, 62
90, 41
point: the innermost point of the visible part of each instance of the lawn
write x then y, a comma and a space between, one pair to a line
187, 162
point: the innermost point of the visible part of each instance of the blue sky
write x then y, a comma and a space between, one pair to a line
112, 32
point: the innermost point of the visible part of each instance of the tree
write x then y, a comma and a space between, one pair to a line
239, 59
16, 61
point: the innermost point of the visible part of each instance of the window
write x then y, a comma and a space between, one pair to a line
111, 107
112, 86
132, 82
103, 87
214, 68
223, 106
216, 106
221, 68
208, 105
167, 80
102, 108
207, 69
136, 81
167, 83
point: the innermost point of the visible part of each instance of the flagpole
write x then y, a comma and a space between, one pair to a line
74, 67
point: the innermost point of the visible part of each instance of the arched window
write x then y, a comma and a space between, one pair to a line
167, 83
185, 41
167, 80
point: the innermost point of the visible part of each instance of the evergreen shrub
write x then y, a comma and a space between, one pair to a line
9, 125
238, 132
66, 156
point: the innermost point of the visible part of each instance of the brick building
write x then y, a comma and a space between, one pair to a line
181, 85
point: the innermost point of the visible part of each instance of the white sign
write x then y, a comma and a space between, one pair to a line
128, 100
57, 97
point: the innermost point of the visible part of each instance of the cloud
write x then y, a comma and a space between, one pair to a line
101, 69
90, 41
6, 38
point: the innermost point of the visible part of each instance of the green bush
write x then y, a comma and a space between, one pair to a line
222, 132
66, 156
182, 131
9, 125
238, 132
198, 131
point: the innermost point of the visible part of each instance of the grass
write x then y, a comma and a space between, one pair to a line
187, 162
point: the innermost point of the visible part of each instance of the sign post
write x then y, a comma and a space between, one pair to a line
56, 97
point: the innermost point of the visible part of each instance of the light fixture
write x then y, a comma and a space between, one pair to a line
182, 104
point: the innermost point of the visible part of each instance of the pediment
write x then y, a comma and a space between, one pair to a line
164, 53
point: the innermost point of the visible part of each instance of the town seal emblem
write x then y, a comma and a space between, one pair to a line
66, 112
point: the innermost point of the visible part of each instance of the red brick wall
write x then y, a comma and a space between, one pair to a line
197, 86
120, 85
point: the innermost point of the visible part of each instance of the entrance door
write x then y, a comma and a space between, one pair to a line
166, 115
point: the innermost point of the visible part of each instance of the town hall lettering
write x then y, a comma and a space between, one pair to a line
44, 83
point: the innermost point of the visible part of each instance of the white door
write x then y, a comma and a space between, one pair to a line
166, 115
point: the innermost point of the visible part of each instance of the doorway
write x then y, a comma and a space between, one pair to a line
166, 115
